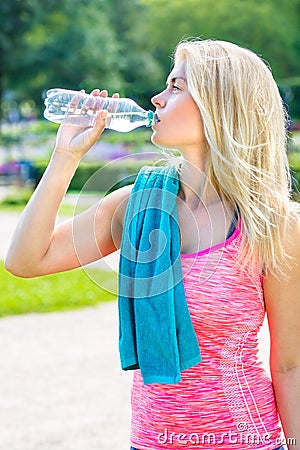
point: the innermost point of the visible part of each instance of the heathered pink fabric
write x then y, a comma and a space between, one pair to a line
226, 401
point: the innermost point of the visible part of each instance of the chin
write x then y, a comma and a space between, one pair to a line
159, 142
155, 140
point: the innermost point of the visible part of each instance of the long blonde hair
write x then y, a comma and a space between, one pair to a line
245, 126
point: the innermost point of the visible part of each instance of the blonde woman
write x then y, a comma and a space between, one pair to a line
240, 249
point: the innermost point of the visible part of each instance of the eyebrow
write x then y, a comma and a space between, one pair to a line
173, 79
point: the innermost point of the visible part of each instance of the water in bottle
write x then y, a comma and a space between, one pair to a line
80, 109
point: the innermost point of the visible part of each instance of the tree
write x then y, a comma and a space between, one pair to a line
126, 45
67, 44
16, 18
140, 70
268, 27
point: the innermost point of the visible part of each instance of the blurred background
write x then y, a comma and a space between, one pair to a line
124, 46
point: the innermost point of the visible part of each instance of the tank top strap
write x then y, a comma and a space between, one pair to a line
233, 223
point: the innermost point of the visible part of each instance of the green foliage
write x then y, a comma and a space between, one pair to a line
59, 292
294, 160
7, 140
269, 27
17, 197
71, 47
139, 67
22, 130
98, 177
75, 44
136, 138
126, 45
259, 25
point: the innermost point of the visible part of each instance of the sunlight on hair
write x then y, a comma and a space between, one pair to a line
245, 125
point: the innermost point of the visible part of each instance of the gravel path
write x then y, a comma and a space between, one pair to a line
61, 386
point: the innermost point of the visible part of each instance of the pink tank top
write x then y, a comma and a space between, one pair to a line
227, 400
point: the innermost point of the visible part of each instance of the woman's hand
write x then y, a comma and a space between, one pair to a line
75, 141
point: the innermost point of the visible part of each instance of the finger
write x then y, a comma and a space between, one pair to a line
98, 105
116, 95
101, 117
104, 93
95, 92
100, 123
74, 104
88, 104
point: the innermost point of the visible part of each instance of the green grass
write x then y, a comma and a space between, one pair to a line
59, 292
11, 208
16, 200
65, 210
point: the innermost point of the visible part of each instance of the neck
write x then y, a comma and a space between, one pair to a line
194, 187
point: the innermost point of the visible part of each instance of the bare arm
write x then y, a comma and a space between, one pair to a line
39, 246
283, 310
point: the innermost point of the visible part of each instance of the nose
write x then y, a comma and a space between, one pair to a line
159, 100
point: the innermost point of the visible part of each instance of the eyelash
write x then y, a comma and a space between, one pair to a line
175, 87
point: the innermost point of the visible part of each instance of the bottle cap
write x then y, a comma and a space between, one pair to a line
152, 119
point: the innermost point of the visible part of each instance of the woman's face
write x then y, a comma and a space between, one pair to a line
179, 121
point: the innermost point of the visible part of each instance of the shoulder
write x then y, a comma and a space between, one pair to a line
119, 199
291, 239
283, 289
113, 206
122, 194
291, 247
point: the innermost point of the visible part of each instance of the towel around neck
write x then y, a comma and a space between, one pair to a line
156, 333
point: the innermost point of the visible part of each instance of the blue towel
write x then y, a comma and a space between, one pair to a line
156, 333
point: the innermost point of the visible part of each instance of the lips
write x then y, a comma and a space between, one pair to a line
157, 120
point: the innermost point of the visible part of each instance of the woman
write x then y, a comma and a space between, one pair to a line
221, 109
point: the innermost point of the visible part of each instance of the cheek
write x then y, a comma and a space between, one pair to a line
199, 129
192, 127
197, 123
190, 117
181, 125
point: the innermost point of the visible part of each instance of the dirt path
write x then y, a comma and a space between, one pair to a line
61, 386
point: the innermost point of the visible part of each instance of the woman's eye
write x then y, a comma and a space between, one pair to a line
175, 88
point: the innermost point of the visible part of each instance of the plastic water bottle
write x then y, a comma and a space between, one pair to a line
79, 109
